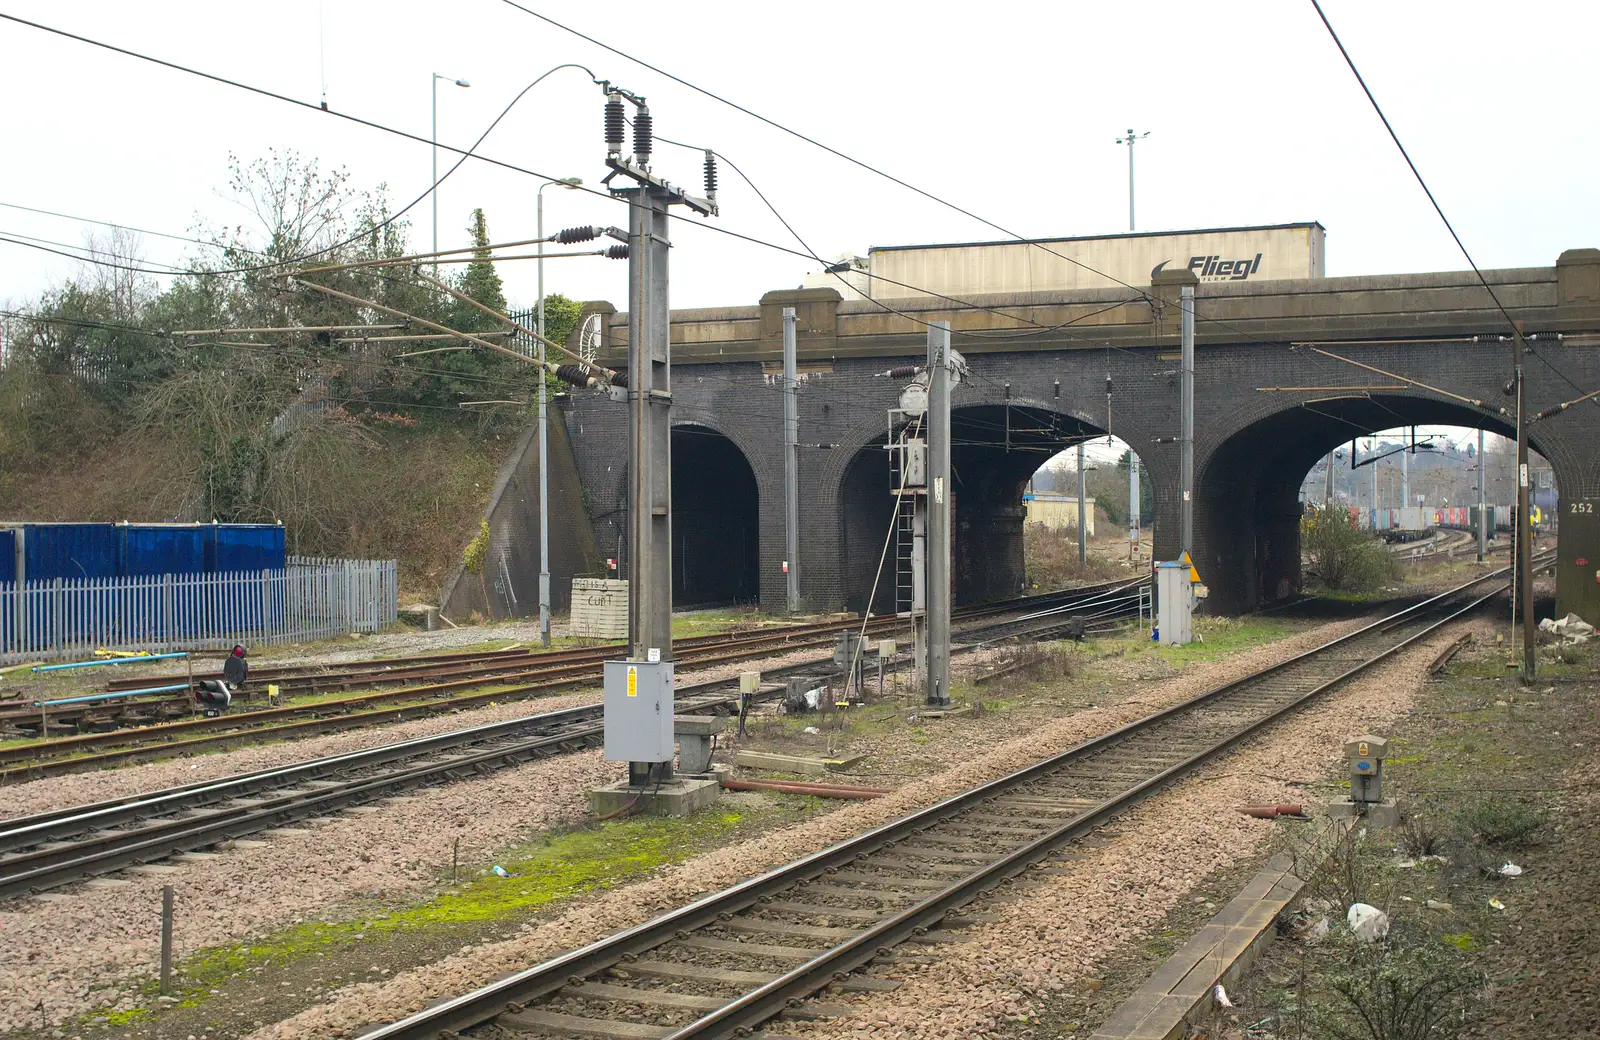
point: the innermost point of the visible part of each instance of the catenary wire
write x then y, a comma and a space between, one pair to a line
472, 153
1036, 243
12, 236
1393, 136
124, 227
366, 232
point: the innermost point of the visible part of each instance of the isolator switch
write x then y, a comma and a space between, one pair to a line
1366, 755
638, 711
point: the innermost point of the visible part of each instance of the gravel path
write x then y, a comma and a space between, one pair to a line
361, 1004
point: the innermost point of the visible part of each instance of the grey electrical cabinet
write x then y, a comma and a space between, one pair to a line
638, 705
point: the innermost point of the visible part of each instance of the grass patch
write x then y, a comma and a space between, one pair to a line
1501, 822
543, 872
692, 623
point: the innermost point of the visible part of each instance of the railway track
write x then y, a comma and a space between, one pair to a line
48, 850
90, 751
733, 962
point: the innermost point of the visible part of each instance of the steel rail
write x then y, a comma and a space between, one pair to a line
758, 1006
48, 826
750, 1010
50, 868
249, 725
334, 715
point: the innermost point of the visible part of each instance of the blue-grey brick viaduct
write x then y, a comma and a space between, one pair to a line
1039, 369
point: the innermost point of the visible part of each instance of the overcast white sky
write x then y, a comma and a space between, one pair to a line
1008, 108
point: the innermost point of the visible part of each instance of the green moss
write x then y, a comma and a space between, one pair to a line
1462, 941
551, 868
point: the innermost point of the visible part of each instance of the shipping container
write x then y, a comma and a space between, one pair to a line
245, 548
8, 554
144, 550
1235, 254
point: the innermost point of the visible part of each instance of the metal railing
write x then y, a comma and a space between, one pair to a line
309, 599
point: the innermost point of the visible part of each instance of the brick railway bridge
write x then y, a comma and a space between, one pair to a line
1039, 368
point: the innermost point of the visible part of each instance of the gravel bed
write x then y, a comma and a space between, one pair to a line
64, 791
1057, 930
414, 643
361, 1004
60, 792
389, 856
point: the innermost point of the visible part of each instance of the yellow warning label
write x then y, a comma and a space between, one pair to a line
1361, 750
1194, 575
633, 682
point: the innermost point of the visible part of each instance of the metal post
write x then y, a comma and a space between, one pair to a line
1083, 519
1133, 505
649, 427
1186, 460
1524, 585
1372, 449
1483, 524
939, 509
433, 190
791, 461
1327, 490
1130, 180
1405, 468
544, 446
166, 939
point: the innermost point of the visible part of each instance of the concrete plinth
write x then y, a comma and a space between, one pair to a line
679, 796
1376, 814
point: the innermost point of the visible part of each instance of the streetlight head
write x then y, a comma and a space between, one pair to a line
571, 182
462, 83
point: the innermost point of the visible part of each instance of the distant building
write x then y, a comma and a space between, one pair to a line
1057, 511
962, 269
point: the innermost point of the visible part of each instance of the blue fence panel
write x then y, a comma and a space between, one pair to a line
149, 549
245, 547
69, 551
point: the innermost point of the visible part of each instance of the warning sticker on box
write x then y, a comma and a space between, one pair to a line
633, 682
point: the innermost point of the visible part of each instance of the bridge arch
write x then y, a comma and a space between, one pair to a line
1247, 507
716, 517
997, 445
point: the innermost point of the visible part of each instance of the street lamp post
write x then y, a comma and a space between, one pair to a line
1128, 140
544, 426
434, 190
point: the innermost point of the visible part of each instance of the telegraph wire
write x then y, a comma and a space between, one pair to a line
812, 141
93, 251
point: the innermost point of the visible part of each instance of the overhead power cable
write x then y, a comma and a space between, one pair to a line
92, 251
1043, 244
814, 142
365, 232
114, 224
1349, 61
271, 348
1038, 330
472, 153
